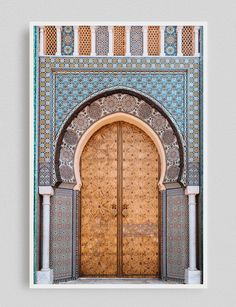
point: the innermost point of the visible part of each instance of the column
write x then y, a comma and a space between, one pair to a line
127, 40
162, 40
192, 274
179, 41
145, 40
58, 53
41, 41
196, 41
110, 31
76, 41
93, 51
45, 275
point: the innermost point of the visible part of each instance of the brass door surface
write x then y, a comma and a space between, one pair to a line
119, 211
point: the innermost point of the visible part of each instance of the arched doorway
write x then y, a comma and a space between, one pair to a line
119, 204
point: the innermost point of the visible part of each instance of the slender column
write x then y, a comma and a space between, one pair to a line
162, 40
41, 41
93, 51
45, 275
58, 53
196, 41
179, 41
127, 40
110, 31
145, 40
192, 274
76, 41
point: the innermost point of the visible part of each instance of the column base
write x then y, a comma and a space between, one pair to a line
44, 277
192, 276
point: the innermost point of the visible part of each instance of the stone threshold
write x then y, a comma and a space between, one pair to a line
121, 281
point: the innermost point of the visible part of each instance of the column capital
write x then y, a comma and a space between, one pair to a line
127, 28
46, 190
145, 28
162, 28
196, 28
110, 28
192, 190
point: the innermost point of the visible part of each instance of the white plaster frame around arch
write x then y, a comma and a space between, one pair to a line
111, 119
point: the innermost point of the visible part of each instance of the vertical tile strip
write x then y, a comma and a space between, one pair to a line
164, 237
35, 170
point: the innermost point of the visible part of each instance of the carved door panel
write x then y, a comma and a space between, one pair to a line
140, 203
98, 201
119, 204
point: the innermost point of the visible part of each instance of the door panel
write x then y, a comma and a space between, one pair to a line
119, 203
140, 203
98, 197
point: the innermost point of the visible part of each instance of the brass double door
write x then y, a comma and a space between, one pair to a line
119, 211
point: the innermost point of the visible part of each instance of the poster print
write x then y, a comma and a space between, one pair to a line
117, 167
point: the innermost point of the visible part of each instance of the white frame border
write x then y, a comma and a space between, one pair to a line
32, 285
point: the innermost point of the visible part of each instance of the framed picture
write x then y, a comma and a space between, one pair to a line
118, 155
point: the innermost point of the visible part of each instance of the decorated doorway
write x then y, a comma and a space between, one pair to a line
119, 204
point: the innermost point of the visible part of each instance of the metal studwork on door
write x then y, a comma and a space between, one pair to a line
119, 204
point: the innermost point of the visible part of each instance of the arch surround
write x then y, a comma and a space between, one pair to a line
120, 107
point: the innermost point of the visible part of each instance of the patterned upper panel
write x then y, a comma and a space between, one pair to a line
67, 39
167, 88
170, 41
146, 75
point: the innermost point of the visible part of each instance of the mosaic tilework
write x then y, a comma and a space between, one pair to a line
84, 40
188, 40
193, 177
177, 233
166, 88
50, 33
140, 67
61, 234
170, 41
136, 40
119, 103
67, 40
119, 40
44, 173
154, 40
102, 40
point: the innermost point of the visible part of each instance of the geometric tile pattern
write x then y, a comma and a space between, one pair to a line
50, 40
136, 40
170, 41
67, 40
102, 40
177, 233
84, 40
119, 40
154, 40
166, 88
188, 40
175, 76
119, 103
193, 173
61, 234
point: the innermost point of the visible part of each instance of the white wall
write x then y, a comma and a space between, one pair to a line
14, 112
